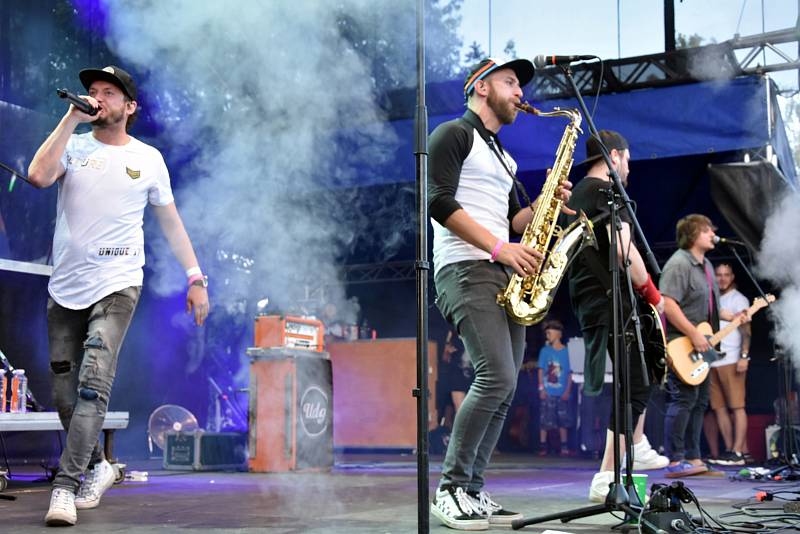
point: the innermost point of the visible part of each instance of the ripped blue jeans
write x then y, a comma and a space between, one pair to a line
84, 345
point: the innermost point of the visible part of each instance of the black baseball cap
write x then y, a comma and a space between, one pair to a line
611, 139
110, 74
521, 67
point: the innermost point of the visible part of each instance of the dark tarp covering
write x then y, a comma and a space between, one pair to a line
746, 194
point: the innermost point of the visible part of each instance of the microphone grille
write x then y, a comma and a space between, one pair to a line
540, 61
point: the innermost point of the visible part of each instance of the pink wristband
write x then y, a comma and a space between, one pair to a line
194, 277
496, 250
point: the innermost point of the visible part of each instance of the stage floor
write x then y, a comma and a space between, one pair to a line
362, 494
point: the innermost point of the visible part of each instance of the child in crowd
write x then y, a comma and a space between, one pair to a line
555, 387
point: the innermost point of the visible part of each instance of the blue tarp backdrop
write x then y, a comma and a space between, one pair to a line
666, 122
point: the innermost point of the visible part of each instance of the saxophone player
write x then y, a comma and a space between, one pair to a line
474, 210
589, 284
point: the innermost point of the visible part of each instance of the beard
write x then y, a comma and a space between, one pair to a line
112, 117
505, 111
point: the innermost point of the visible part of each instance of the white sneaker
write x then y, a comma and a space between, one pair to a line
492, 510
453, 507
95, 483
599, 488
645, 458
62, 508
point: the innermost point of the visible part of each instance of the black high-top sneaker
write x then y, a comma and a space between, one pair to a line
453, 507
492, 510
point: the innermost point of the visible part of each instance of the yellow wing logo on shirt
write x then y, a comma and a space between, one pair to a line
133, 173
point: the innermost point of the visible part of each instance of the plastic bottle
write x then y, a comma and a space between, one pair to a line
19, 390
3, 388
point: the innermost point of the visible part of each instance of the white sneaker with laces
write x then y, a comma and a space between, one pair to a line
492, 510
599, 488
95, 483
62, 508
453, 507
645, 458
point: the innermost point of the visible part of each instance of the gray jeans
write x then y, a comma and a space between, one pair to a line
467, 297
84, 345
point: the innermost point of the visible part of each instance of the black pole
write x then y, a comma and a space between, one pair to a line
669, 25
422, 268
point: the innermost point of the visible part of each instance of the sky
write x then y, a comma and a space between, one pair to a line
617, 28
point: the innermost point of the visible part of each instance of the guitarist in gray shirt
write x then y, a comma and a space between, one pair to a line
691, 296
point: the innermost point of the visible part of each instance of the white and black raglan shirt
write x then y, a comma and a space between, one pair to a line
98, 246
465, 173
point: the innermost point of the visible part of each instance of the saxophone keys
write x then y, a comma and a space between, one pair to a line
549, 280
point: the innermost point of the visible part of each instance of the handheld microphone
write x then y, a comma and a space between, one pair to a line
541, 61
718, 239
78, 102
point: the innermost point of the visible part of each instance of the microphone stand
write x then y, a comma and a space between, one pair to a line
620, 498
749, 274
790, 449
14, 173
422, 268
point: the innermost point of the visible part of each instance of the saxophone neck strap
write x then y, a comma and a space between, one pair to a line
494, 142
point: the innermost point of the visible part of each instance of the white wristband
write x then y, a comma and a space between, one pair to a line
192, 271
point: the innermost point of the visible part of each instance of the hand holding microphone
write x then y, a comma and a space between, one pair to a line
79, 103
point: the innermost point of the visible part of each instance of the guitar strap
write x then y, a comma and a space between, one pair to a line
713, 312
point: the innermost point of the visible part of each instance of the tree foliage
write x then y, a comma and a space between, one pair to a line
691, 41
380, 31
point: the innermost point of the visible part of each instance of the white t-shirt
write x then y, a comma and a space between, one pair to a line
483, 189
734, 302
98, 246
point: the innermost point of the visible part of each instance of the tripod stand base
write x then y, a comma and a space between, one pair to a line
616, 501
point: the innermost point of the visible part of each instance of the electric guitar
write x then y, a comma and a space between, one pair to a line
655, 345
692, 367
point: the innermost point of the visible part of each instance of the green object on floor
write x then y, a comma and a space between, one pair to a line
640, 483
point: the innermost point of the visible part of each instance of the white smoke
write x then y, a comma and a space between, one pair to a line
778, 262
263, 95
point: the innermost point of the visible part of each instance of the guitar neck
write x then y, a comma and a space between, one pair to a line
716, 338
757, 305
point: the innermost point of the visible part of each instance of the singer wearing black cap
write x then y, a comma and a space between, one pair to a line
474, 207
105, 179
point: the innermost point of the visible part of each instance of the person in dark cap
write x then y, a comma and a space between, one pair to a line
105, 180
475, 210
589, 288
555, 387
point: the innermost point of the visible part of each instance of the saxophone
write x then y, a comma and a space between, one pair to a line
527, 299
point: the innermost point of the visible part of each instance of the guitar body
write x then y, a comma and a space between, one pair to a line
690, 366
655, 345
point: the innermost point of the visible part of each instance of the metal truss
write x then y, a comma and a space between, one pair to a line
368, 273
735, 57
